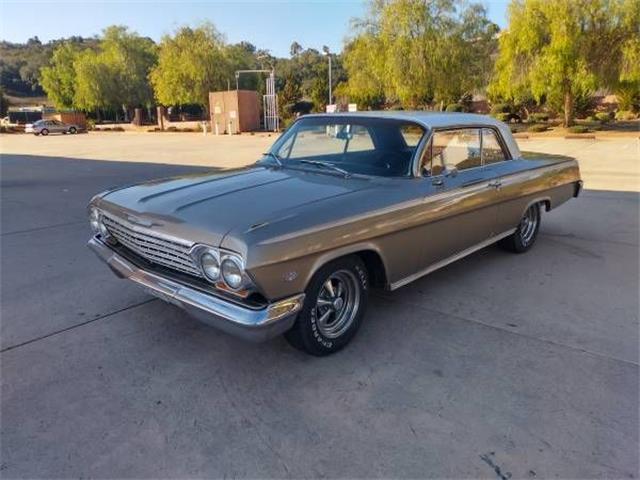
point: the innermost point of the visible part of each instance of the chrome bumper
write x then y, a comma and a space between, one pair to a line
250, 324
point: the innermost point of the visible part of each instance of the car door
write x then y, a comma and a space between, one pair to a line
57, 126
497, 163
461, 196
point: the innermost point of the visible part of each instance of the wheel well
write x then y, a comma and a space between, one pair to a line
546, 204
375, 267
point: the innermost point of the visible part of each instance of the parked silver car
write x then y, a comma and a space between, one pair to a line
45, 127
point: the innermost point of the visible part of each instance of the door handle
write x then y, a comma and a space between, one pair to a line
495, 184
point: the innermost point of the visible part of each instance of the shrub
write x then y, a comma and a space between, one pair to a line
603, 117
539, 117
503, 117
537, 128
91, 124
583, 102
118, 129
287, 122
628, 94
625, 115
579, 129
454, 107
187, 130
501, 108
172, 129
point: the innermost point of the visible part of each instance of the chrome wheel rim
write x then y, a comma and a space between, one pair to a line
528, 225
337, 303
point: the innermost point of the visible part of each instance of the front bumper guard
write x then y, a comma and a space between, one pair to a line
244, 322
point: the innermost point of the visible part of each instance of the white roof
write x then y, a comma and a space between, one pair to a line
431, 120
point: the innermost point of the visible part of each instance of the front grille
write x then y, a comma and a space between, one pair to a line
170, 253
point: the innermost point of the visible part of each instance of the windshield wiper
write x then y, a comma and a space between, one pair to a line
330, 165
275, 157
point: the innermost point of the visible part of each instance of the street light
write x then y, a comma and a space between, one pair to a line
326, 52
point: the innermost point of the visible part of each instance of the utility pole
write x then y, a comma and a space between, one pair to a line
326, 51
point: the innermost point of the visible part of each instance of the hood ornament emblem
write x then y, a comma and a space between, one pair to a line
140, 221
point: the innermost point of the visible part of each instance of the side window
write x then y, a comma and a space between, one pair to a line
491, 149
455, 148
412, 135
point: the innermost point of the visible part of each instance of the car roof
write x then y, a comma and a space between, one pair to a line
427, 119
431, 120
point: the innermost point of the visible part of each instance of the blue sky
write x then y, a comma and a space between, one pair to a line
272, 24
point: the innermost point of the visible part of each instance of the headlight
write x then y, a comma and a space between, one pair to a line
94, 220
210, 264
232, 272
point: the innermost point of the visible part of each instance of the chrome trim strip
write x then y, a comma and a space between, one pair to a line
443, 263
241, 321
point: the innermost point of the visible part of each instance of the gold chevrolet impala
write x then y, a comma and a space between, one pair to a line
340, 204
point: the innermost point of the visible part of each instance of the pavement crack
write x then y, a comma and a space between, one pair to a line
555, 236
36, 229
81, 324
488, 459
511, 332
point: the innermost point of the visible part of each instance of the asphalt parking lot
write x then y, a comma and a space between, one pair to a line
498, 366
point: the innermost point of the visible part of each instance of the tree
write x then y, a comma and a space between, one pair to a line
191, 64
129, 58
628, 86
295, 49
112, 75
4, 103
59, 78
242, 56
290, 94
561, 50
418, 51
96, 86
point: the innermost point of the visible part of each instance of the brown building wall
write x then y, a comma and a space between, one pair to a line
234, 110
75, 118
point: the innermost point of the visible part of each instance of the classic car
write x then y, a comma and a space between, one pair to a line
340, 204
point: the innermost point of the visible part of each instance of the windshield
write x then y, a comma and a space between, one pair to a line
367, 146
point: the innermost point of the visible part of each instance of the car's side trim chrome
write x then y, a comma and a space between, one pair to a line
443, 263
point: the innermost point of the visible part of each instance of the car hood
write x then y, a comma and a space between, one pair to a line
203, 208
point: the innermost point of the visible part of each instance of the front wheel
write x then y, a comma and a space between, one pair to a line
527, 232
334, 306
44, 132
72, 130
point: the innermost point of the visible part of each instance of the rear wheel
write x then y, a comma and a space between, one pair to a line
527, 232
72, 130
44, 132
334, 306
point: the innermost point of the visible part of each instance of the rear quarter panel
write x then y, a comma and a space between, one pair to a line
539, 179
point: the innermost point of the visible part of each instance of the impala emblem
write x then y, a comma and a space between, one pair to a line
139, 221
